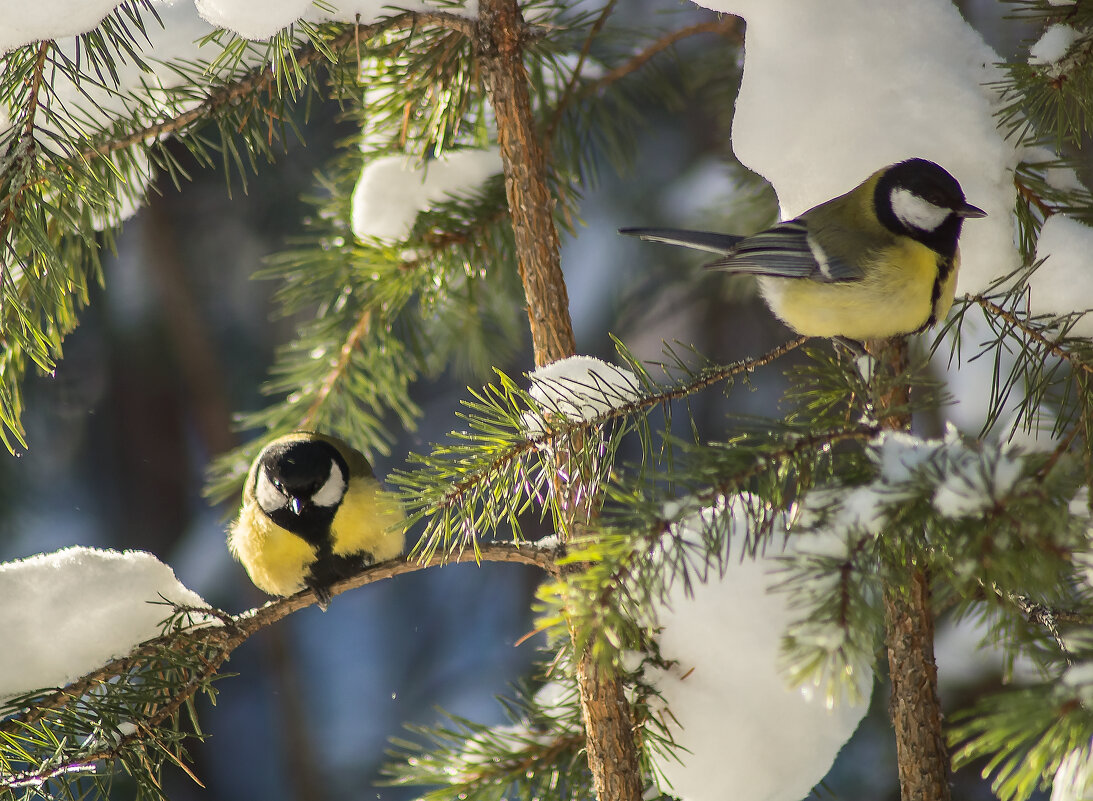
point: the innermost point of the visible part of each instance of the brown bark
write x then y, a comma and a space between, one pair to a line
609, 728
500, 42
915, 708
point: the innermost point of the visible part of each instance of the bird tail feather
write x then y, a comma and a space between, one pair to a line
699, 240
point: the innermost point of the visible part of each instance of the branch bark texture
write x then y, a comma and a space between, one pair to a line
909, 622
609, 725
500, 43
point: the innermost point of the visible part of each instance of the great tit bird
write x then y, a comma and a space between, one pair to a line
312, 514
877, 262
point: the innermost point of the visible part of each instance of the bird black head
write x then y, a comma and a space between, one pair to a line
919, 199
299, 485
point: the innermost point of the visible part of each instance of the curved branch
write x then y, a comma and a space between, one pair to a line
358, 332
232, 632
571, 84
728, 26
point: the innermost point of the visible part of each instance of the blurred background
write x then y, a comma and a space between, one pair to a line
182, 338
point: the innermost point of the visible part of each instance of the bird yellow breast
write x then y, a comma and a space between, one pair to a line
275, 559
894, 297
369, 520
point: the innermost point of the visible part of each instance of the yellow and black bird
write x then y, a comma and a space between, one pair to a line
877, 262
312, 514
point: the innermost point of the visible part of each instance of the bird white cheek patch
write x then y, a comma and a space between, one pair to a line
914, 212
267, 495
332, 491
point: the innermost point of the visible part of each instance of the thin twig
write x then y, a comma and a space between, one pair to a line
726, 26
571, 84
1026, 192
705, 379
1053, 347
36, 85
359, 330
25, 144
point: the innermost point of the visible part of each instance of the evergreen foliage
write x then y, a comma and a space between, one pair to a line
1002, 531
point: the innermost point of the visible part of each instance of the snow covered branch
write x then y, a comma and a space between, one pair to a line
450, 482
137, 696
262, 78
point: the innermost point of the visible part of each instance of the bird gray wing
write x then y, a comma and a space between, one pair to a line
786, 251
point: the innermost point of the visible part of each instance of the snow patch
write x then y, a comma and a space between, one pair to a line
73, 610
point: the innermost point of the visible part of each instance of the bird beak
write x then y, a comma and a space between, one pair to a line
968, 210
296, 505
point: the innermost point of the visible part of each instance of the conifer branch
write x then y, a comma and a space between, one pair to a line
262, 78
571, 84
1025, 191
352, 341
223, 639
500, 43
1032, 332
727, 25
36, 86
24, 144
562, 431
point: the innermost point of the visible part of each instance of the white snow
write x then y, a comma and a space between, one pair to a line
899, 455
833, 90
96, 106
737, 722
972, 481
249, 19
1074, 779
24, 23
73, 610
393, 189
1052, 46
580, 388
963, 480
1061, 284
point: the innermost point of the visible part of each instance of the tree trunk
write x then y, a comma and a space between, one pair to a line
609, 728
908, 620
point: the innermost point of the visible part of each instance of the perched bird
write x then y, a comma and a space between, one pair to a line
877, 262
312, 514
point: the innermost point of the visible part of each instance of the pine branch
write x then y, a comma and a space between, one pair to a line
263, 79
500, 44
24, 145
1025, 191
728, 26
571, 84
352, 341
1032, 332
562, 431
211, 646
